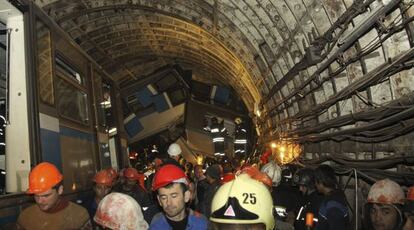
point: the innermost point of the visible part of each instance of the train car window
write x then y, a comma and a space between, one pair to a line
68, 70
73, 102
44, 63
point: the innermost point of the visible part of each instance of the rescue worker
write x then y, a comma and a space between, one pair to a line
201, 185
333, 211
228, 173
409, 209
171, 185
132, 188
305, 179
51, 211
120, 211
383, 208
285, 197
103, 182
174, 153
243, 203
213, 175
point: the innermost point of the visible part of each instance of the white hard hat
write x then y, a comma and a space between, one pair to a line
174, 150
386, 192
120, 211
273, 171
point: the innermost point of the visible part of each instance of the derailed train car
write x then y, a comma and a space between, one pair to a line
57, 105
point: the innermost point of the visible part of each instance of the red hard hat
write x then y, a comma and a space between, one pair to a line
43, 177
112, 172
131, 173
103, 177
168, 174
227, 177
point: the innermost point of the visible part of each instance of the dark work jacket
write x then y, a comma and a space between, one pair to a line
311, 203
286, 196
148, 207
333, 212
208, 198
202, 187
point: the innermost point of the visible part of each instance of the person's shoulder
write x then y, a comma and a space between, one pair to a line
198, 215
157, 218
29, 210
77, 209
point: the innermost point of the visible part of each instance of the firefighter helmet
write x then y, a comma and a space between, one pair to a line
243, 201
43, 177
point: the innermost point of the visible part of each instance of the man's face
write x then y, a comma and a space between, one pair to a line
303, 189
47, 200
129, 184
101, 190
172, 199
198, 172
383, 217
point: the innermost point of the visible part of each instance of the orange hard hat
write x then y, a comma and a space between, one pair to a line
112, 172
43, 177
386, 192
249, 170
168, 174
131, 173
103, 177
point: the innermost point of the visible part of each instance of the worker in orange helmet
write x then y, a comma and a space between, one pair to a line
132, 188
171, 185
409, 209
384, 204
51, 211
103, 182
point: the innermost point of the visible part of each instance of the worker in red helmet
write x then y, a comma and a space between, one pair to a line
409, 209
384, 204
103, 182
51, 211
171, 185
132, 188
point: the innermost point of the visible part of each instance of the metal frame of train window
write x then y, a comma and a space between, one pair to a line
45, 78
67, 74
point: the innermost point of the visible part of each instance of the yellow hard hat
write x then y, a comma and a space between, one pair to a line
243, 201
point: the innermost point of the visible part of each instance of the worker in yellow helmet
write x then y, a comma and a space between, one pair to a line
243, 203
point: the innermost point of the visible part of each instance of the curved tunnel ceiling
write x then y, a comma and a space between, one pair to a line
315, 67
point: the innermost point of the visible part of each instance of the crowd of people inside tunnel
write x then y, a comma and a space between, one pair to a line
227, 195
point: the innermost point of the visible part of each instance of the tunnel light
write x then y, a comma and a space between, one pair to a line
286, 151
273, 145
112, 130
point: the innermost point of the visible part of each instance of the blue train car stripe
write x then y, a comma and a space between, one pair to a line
49, 139
51, 147
65, 131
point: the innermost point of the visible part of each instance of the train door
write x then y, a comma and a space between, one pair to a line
106, 125
14, 125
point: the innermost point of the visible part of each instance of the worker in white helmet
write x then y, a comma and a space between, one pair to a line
120, 211
175, 154
384, 203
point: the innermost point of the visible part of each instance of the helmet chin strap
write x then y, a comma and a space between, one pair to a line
400, 215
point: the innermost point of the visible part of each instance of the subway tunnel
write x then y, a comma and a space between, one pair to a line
334, 76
